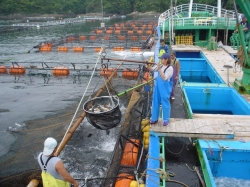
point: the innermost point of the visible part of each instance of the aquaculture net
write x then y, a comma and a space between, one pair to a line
19, 166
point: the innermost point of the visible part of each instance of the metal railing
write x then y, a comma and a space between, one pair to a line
181, 12
202, 21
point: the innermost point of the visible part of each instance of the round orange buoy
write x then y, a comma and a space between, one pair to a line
70, 39
106, 37
121, 37
135, 49
45, 48
119, 48
78, 49
98, 31
60, 71
97, 49
93, 37
130, 153
130, 74
140, 32
109, 31
133, 38
149, 32
3, 69
107, 72
124, 180
62, 48
130, 32
17, 70
82, 37
117, 32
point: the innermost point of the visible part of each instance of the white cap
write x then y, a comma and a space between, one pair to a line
49, 146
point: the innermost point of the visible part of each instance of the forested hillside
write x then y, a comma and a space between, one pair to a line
8, 7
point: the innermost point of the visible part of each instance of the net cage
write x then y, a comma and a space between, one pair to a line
103, 112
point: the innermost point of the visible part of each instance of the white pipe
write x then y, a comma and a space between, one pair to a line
219, 8
190, 8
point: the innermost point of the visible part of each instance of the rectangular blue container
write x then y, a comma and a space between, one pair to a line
215, 100
198, 70
225, 159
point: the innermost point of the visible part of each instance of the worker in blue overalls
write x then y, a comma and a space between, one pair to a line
162, 90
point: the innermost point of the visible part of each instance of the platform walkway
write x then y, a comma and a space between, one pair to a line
207, 126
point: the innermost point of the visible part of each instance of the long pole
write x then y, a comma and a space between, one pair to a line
82, 116
130, 89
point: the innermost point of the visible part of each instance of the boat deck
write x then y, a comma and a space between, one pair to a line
206, 127
210, 126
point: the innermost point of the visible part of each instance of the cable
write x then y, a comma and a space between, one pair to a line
81, 99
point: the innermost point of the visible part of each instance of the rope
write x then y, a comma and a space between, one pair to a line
195, 169
164, 175
160, 159
81, 98
175, 153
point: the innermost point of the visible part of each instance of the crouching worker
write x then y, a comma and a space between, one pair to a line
54, 173
162, 89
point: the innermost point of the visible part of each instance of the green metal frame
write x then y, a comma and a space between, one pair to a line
243, 85
203, 165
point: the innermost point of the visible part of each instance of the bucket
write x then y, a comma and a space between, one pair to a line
103, 112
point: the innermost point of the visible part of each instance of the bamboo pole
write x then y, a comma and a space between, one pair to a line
82, 116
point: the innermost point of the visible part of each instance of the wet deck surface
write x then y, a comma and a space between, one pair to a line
179, 151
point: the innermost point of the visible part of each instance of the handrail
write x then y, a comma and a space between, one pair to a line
196, 7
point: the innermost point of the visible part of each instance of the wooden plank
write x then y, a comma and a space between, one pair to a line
221, 116
199, 128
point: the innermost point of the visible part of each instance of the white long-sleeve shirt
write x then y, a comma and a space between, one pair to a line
168, 73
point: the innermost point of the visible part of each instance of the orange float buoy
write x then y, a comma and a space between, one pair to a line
71, 38
130, 153
149, 32
119, 48
106, 37
45, 48
109, 31
17, 70
133, 38
124, 180
107, 72
121, 37
3, 69
93, 37
98, 31
97, 49
144, 37
60, 71
130, 32
78, 49
130, 74
117, 32
82, 37
62, 48
140, 32
135, 49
